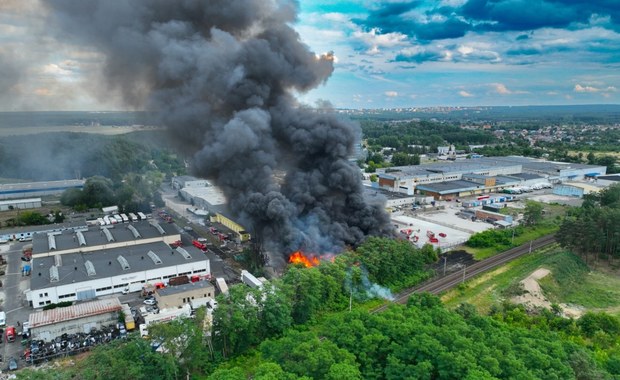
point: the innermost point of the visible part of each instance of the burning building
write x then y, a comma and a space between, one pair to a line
221, 75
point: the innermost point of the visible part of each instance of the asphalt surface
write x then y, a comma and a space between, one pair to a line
14, 302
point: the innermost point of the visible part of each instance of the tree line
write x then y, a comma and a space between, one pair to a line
593, 230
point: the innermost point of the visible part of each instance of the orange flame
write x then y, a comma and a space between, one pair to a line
307, 261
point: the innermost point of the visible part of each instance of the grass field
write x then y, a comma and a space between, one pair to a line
570, 281
531, 234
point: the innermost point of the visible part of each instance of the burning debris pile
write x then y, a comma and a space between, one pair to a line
221, 75
307, 261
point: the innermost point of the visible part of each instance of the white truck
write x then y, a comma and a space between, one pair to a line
221, 285
249, 279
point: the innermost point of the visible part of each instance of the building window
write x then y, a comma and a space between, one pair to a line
41, 303
46, 294
48, 302
120, 286
40, 295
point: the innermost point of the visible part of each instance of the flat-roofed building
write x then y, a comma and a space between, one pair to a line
177, 296
184, 181
38, 189
96, 238
21, 204
82, 276
48, 324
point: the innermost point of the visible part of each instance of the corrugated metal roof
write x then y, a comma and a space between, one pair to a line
81, 310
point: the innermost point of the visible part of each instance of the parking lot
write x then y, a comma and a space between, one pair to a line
444, 218
14, 303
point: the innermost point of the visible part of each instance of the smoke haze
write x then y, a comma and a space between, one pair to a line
221, 76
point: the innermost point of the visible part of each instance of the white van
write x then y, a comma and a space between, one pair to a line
2, 318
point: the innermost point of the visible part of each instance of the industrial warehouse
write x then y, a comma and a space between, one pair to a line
481, 175
81, 318
37, 189
83, 264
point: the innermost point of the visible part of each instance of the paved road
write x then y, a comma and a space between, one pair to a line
436, 286
14, 303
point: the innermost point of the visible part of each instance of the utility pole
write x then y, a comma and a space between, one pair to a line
445, 262
351, 299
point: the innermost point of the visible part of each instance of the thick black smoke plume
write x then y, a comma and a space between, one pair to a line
221, 73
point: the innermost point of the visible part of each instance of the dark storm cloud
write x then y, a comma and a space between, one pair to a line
442, 22
220, 75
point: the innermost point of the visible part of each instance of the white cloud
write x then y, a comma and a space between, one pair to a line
375, 40
586, 88
501, 89
391, 94
466, 94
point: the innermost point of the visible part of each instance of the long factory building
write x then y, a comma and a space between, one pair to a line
481, 175
82, 264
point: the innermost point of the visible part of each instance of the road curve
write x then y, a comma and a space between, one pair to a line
436, 286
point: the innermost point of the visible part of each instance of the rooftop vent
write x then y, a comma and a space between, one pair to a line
154, 257
135, 232
53, 274
158, 227
80, 237
123, 262
51, 242
108, 234
90, 268
58, 260
183, 252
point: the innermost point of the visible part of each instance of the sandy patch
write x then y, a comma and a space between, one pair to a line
534, 297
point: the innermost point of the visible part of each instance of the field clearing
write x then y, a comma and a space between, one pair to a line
101, 130
570, 282
527, 236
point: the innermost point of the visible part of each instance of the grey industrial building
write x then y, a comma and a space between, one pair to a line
48, 324
20, 204
184, 181
97, 238
481, 175
38, 189
82, 264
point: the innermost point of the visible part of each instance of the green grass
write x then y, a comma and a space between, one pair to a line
494, 285
570, 281
529, 234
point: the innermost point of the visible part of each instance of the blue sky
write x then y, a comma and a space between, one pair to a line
459, 52
388, 54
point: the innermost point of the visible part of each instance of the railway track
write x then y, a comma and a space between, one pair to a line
436, 286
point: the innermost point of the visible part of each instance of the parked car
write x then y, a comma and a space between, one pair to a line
150, 301
12, 364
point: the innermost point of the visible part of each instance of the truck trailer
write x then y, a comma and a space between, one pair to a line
221, 285
249, 279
